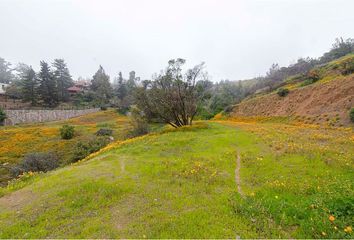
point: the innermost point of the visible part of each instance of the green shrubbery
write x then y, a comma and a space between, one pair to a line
85, 148
351, 114
104, 132
36, 162
2, 116
282, 92
347, 66
67, 132
138, 122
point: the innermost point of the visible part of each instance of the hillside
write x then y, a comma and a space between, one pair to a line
326, 101
17, 141
212, 180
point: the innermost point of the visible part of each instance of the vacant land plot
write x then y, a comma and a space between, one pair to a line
295, 180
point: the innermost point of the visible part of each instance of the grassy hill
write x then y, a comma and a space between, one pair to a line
326, 100
16, 141
213, 180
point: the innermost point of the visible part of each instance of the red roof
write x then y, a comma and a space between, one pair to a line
74, 89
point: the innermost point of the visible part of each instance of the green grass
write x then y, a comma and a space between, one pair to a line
181, 184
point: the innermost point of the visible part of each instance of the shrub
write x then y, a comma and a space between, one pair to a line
67, 132
351, 114
2, 116
83, 149
347, 66
138, 122
313, 75
282, 92
104, 132
122, 110
36, 162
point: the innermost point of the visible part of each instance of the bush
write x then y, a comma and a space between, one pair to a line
83, 149
36, 162
2, 116
347, 66
351, 114
313, 75
67, 132
282, 92
138, 122
104, 132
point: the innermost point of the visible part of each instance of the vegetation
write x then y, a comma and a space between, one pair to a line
45, 137
181, 184
104, 132
138, 123
36, 162
172, 96
282, 92
85, 148
67, 132
351, 114
2, 116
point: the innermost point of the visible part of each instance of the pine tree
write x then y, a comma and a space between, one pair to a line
29, 84
121, 88
101, 86
63, 79
47, 88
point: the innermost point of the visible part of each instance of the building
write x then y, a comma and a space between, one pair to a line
79, 86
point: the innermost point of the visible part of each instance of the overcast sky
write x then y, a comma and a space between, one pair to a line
236, 39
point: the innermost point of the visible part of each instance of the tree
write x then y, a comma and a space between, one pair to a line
2, 116
6, 75
172, 96
29, 84
63, 79
121, 88
47, 88
101, 86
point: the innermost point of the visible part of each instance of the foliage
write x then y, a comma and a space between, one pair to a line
6, 75
67, 132
85, 148
313, 75
36, 162
347, 66
63, 79
339, 49
172, 95
104, 132
47, 86
138, 123
101, 86
351, 114
2, 116
29, 84
282, 92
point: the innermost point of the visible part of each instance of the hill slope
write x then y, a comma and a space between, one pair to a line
181, 184
326, 101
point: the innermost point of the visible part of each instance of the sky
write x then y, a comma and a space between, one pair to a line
236, 39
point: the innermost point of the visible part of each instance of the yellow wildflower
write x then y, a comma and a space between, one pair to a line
348, 229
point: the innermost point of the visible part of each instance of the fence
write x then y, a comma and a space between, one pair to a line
30, 116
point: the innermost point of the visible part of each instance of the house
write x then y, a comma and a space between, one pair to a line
74, 90
79, 86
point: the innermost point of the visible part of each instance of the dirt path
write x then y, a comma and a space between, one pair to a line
237, 175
